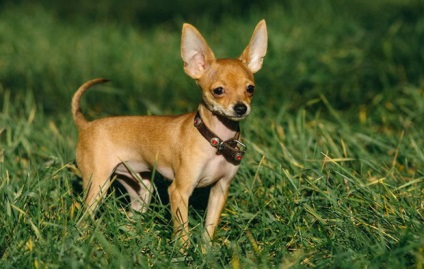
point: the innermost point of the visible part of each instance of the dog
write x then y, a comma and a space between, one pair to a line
193, 150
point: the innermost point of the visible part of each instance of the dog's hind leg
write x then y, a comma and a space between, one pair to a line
96, 189
139, 188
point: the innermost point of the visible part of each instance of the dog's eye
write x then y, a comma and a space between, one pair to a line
250, 89
218, 91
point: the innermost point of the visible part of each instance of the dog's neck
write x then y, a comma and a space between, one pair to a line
220, 125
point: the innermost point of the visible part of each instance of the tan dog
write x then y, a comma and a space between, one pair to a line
194, 150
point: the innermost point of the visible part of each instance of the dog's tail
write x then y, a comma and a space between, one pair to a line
79, 118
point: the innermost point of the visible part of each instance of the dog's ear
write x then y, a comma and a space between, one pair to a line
253, 55
196, 54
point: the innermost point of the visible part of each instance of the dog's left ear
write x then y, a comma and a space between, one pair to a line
253, 55
196, 54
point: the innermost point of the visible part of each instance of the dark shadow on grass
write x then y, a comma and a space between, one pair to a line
143, 13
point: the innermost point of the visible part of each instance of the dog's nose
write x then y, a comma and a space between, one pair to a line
240, 109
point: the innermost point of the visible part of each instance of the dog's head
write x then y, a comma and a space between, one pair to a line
227, 84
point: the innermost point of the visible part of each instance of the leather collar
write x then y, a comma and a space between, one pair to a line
232, 149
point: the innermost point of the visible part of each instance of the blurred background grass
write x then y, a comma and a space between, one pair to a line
334, 175
350, 52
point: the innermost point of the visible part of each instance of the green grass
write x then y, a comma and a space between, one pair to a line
334, 175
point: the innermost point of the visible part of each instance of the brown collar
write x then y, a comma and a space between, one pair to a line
232, 149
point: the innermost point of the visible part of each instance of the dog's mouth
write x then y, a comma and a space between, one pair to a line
236, 117
232, 115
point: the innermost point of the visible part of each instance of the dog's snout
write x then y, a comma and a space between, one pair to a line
240, 109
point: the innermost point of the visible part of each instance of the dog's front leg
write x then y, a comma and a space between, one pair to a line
217, 198
179, 195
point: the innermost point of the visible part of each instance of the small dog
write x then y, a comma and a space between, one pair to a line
193, 150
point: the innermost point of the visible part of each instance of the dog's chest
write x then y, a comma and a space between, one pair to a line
215, 169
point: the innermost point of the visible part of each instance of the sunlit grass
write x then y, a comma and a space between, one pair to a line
334, 173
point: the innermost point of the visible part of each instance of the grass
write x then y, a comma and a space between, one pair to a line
334, 173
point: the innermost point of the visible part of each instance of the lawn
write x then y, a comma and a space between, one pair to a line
334, 173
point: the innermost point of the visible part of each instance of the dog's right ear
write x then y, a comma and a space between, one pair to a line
196, 54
